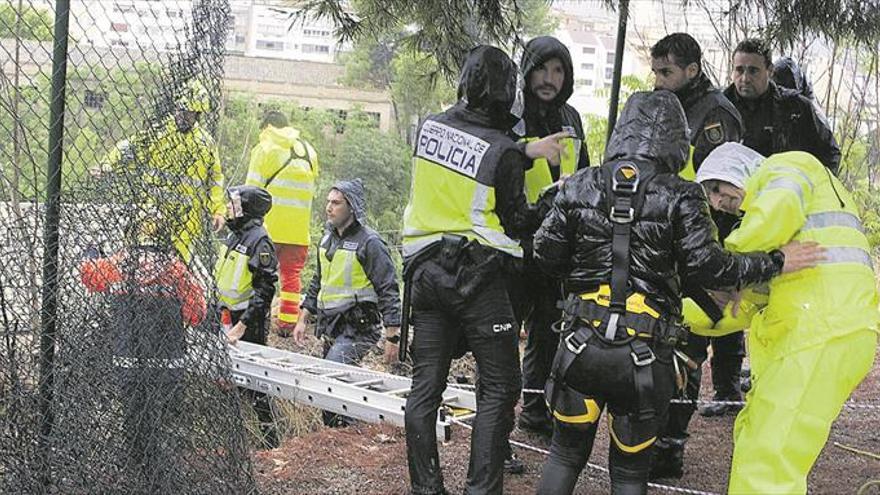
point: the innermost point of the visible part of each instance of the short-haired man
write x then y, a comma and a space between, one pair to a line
676, 61
776, 120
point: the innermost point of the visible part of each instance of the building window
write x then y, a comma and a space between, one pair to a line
310, 48
239, 39
270, 45
316, 33
609, 58
93, 99
609, 72
589, 50
587, 66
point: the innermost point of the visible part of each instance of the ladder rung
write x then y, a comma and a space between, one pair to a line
399, 391
367, 383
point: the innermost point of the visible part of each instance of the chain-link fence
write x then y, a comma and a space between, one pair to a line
113, 374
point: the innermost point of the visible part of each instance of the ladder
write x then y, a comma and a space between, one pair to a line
367, 395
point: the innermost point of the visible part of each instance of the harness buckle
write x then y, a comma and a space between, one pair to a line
621, 215
643, 358
631, 175
576, 347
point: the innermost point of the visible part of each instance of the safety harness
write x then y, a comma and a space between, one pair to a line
618, 318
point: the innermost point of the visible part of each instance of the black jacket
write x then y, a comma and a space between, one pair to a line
782, 120
541, 119
673, 238
248, 235
712, 119
372, 254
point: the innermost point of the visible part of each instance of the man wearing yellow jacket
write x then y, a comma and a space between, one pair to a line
286, 166
815, 340
179, 167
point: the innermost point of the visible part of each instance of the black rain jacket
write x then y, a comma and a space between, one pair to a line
782, 120
674, 237
541, 119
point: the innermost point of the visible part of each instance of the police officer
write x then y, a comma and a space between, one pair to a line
622, 235
549, 81
816, 336
466, 207
676, 61
776, 120
354, 292
286, 165
246, 273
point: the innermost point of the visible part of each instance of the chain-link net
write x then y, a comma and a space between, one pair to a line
113, 374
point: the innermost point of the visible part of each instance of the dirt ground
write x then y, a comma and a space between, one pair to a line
371, 459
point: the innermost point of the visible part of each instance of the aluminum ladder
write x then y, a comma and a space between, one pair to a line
367, 395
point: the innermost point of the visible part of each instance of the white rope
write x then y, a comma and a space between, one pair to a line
849, 404
590, 465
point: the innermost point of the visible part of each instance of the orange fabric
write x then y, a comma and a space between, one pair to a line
99, 274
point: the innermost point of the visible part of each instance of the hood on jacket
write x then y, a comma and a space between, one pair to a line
284, 137
489, 85
248, 203
651, 127
353, 190
538, 51
731, 162
788, 74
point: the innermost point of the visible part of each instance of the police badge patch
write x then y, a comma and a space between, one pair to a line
265, 259
714, 133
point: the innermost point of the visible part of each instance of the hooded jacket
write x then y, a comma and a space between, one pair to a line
673, 238
788, 74
540, 118
249, 244
286, 166
781, 120
465, 149
371, 252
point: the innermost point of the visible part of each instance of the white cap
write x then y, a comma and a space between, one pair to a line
731, 162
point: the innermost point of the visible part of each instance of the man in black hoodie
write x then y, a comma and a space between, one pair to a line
465, 210
676, 61
549, 82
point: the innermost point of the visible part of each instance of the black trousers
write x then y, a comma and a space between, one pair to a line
534, 297
445, 323
259, 334
606, 375
727, 356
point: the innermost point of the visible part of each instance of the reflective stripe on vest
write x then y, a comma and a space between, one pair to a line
477, 221
539, 177
343, 280
234, 280
847, 255
833, 219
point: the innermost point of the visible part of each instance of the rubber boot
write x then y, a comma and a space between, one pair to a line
667, 458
